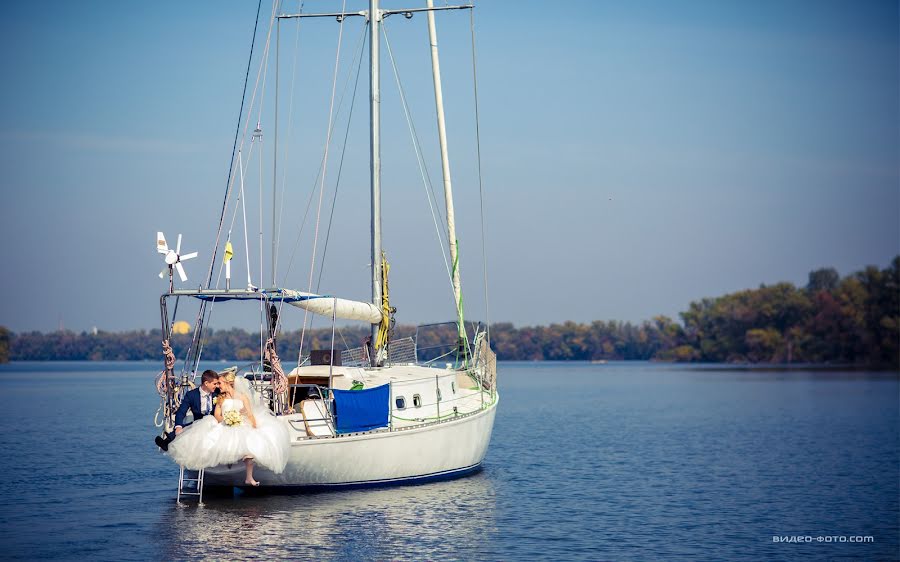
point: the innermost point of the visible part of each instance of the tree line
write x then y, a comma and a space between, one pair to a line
831, 320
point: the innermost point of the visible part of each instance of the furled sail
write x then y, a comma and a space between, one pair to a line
318, 304
340, 308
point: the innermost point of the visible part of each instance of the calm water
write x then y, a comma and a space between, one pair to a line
587, 462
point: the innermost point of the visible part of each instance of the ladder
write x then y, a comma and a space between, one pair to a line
196, 480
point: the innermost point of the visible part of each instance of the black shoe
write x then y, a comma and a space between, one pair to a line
162, 443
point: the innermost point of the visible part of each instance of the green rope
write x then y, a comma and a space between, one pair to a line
461, 325
459, 304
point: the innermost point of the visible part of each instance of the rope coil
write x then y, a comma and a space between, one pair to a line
165, 387
279, 380
163, 384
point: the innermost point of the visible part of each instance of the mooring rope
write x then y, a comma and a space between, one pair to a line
279, 380
163, 384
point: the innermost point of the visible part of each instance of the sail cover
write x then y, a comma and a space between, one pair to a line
362, 410
340, 308
319, 304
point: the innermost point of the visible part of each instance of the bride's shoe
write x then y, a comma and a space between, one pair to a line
251, 483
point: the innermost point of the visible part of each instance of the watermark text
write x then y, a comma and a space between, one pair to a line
822, 538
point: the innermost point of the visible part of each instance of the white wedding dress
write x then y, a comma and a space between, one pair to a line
207, 442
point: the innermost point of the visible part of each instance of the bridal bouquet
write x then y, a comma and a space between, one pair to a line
232, 417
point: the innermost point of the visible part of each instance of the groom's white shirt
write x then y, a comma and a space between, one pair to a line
203, 403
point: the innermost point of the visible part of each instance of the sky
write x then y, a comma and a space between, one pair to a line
635, 156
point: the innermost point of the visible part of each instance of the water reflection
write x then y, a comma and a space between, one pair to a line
429, 521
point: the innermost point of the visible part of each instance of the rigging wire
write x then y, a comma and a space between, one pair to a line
262, 305
202, 315
426, 179
340, 169
237, 130
316, 181
257, 136
263, 63
243, 202
290, 120
340, 105
337, 182
276, 219
323, 169
417, 145
330, 131
239, 205
484, 268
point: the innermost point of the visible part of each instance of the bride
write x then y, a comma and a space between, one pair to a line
239, 429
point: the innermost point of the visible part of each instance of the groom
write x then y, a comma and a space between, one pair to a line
200, 401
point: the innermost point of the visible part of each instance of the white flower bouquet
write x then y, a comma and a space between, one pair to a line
232, 418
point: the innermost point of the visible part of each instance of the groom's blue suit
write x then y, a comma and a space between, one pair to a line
192, 402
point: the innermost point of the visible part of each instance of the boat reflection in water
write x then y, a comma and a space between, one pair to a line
429, 521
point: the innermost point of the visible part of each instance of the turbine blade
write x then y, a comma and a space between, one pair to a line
190, 256
178, 245
162, 274
181, 272
161, 245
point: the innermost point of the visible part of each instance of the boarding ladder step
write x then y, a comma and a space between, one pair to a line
194, 477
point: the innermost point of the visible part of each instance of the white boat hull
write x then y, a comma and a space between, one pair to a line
429, 452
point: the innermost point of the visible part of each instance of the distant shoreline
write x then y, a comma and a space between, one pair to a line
693, 366
832, 321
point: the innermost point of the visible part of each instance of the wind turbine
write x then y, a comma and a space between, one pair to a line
173, 259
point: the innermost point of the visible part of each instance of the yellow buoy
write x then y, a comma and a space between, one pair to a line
181, 327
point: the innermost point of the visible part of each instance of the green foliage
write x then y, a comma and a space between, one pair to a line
854, 320
825, 279
4, 345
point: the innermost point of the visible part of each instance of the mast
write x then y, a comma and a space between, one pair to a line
375, 160
375, 15
275, 158
445, 169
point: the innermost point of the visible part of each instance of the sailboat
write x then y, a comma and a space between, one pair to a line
387, 412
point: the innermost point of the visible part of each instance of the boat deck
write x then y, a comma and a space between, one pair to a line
418, 396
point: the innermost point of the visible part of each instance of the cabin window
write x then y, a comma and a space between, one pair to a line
417, 401
401, 403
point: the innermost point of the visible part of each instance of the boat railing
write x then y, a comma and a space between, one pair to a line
442, 357
483, 371
440, 342
434, 354
485, 363
324, 395
400, 352
356, 357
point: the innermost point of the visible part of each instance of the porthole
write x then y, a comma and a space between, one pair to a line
417, 401
401, 403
